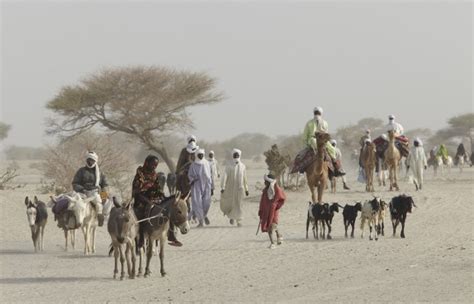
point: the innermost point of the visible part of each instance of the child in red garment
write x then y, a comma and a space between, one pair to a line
272, 200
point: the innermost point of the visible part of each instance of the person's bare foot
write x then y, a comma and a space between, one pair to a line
206, 221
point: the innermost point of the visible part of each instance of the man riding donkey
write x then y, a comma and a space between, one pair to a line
146, 191
308, 155
90, 182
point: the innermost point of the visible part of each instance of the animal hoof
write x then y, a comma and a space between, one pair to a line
402, 236
131, 277
163, 274
329, 237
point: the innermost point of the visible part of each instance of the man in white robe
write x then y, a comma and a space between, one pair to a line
201, 183
417, 163
234, 185
214, 168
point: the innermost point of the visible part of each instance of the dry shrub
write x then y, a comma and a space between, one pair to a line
115, 160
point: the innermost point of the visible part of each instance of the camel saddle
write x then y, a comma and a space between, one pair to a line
306, 157
401, 142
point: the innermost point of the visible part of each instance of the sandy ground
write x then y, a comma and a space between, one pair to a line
221, 263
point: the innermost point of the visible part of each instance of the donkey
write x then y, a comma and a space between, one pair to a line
171, 183
174, 209
89, 226
37, 218
72, 218
123, 229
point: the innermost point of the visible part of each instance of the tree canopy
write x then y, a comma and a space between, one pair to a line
4, 128
146, 102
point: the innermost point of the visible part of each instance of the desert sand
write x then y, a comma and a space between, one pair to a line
223, 263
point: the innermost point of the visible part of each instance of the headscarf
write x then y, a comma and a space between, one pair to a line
191, 137
319, 109
92, 155
235, 150
333, 142
199, 151
420, 143
192, 147
271, 187
391, 117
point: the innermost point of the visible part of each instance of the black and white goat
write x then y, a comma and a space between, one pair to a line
399, 207
370, 213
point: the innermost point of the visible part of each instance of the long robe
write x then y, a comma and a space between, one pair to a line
417, 162
269, 210
201, 184
234, 184
214, 171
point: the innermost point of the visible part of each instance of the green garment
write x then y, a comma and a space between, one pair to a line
309, 138
443, 152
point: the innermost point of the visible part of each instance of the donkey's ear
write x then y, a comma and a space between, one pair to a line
26, 201
116, 203
36, 200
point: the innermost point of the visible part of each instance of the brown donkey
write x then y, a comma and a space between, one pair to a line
123, 229
174, 209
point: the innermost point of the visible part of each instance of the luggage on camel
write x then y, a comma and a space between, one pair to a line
307, 156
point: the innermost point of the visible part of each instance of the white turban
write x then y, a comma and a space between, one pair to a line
333, 142
192, 147
201, 151
367, 131
191, 137
211, 152
319, 109
235, 150
92, 155
367, 140
391, 116
419, 141
271, 188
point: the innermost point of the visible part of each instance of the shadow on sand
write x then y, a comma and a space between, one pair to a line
17, 252
50, 280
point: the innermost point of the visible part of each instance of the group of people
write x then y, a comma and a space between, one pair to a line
198, 177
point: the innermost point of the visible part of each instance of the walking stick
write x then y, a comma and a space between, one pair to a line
258, 227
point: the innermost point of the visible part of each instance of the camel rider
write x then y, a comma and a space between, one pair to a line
395, 126
364, 138
145, 191
339, 159
318, 124
90, 182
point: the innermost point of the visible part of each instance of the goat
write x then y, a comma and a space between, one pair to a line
370, 213
316, 215
399, 207
381, 216
349, 214
328, 215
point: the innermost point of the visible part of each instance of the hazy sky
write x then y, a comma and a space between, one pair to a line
274, 61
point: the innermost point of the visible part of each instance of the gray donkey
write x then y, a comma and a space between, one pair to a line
37, 217
123, 229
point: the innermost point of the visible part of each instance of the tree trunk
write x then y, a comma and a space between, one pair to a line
164, 155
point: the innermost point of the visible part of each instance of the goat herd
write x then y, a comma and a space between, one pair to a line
320, 215
372, 212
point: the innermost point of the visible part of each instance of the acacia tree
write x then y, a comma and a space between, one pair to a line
461, 126
145, 102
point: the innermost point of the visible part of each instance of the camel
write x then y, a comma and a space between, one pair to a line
368, 158
392, 160
317, 171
